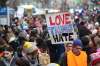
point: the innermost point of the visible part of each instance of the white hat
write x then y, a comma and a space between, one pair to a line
29, 47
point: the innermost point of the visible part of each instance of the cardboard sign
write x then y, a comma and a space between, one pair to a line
60, 28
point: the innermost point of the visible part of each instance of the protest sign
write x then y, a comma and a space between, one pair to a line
3, 21
4, 16
60, 27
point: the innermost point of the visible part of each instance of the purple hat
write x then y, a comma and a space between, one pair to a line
77, 42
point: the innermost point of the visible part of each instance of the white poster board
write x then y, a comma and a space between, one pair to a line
20, 12
4, 16
60, 28
4, 21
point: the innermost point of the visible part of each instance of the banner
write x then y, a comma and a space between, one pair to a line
60, 28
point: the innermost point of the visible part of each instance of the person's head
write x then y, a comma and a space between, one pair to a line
68, 46
3, 44
98, 31
30, 48
38, 22
77, 46
6, 27
82, 23
85, 40
41, 43
16, 19
8, 53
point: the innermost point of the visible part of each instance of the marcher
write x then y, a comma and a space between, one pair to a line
76, 57
68, 47
30, 53
3, 45
82, 30
97, 38
44, 58
9, 57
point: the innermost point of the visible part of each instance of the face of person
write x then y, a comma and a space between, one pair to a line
69, 47
8, 54
77, 50
38, 23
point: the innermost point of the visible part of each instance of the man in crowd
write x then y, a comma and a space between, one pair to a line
30, 53
9, 57
75, 57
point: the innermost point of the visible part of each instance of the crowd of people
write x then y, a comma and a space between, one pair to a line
26, 43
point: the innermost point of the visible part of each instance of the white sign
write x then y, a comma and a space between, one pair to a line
60, 27
4, 21
20, 12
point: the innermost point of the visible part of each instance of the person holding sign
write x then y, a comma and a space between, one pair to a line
75, 57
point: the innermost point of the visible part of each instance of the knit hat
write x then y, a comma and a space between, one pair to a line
53, 64
29, 47
77, 42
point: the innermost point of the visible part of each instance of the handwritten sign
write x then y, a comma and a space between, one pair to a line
60, 27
